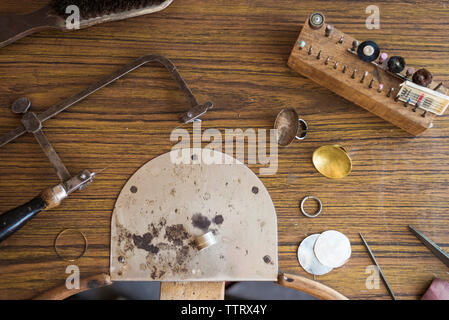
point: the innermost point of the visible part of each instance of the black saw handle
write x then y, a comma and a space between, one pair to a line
14, 219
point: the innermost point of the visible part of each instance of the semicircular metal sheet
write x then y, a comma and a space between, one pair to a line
164, 206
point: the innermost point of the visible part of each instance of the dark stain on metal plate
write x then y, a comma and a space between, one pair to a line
201, 222
144, 242
218, 219
182, 255
176, 234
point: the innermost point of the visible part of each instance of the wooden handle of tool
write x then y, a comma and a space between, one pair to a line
61, 292
15, 27
311, 287
15, 219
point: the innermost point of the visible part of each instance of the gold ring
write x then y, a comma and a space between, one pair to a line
82, 253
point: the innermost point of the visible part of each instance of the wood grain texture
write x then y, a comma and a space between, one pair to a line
192, 291
234, 53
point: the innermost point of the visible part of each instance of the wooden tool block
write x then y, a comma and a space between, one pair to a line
331, 75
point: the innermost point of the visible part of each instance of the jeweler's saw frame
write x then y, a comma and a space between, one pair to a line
15, 219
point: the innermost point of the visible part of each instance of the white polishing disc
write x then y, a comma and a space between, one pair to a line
368, 50
332, 249
307, 258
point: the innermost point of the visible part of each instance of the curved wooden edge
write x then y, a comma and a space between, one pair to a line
61, 292
311, 287
192, 291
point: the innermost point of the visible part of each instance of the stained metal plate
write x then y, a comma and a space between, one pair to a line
164, 206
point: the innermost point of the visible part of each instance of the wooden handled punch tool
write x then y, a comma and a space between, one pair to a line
15, 219
368, 77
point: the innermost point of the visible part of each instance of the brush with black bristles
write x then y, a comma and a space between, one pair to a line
54, 15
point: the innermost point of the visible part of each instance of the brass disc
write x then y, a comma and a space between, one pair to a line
332, 161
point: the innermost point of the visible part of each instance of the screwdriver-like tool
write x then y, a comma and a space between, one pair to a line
432, 246
373, 258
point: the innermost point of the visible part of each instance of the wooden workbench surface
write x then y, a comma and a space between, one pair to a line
234, 53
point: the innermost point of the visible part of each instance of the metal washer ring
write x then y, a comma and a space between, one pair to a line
316, 214
86, 244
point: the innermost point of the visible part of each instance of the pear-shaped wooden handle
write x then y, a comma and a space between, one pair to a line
15, 219
311, 287
61, 292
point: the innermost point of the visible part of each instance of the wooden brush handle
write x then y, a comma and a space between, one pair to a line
15, 27
61, 292
311, 287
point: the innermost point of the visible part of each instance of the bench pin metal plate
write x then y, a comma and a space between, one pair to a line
165, 207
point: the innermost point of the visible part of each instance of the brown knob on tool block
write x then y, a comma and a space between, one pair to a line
423, 77
396, 64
